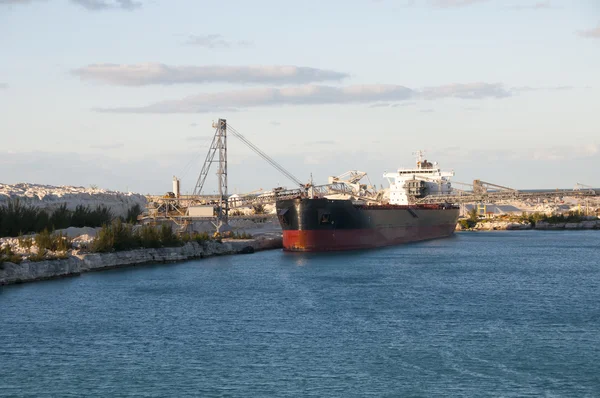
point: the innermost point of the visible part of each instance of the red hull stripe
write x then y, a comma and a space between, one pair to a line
351, 239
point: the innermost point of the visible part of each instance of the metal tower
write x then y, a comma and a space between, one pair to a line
219, 144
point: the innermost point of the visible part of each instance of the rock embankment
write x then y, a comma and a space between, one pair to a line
588, 224
77, 264
540, 225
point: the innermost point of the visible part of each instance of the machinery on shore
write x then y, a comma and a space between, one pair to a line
426, 184
181, 209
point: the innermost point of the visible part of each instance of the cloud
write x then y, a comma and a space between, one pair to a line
301, 95
100, 5
550, 88
590, 33
93, 5
401, 3
275, 123
455, 3
153, 73
17, 1
112, 145
313, 95
3, 86
541, 5
391, 105
428, 110
380, 105
216, 41
466, 91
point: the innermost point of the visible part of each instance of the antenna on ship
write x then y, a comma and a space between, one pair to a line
419, 154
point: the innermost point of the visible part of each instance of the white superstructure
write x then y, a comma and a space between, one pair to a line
425, 179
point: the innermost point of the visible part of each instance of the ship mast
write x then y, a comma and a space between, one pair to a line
419, 154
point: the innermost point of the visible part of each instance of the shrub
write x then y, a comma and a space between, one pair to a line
118, 236
100, 216
26, 242
473, 215
56, 242
79, 216
555, 218
17, 218
240, 235
466, 223
124, 238
259, 209
61, 217
42, 222
104, 241
115, 236
149, 236
167, 237
202, 237
133, 213
7, 256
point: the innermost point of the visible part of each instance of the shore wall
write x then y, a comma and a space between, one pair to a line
540, 225
77, 264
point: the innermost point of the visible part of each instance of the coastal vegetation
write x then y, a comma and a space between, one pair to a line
118, 236
113, 236
530, 220
570, 217
259, 209
7, 255
471, 220
17, 218
43, 246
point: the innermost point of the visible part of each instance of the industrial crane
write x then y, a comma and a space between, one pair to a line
219, 144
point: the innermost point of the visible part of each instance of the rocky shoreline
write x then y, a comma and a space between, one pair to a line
76, 263
540, 225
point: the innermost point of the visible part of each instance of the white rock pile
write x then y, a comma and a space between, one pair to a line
49, 197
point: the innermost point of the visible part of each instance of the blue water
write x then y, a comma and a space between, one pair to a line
479, 314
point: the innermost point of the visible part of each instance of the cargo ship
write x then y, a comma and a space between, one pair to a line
317, 223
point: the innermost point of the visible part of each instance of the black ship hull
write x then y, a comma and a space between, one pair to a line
328, 225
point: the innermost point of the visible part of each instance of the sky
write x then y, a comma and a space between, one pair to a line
121, 94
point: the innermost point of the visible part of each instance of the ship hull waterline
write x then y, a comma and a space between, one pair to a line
319, 225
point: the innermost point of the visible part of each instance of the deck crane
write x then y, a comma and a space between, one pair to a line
219, 144
352, 179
